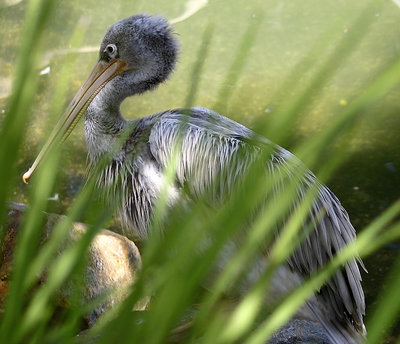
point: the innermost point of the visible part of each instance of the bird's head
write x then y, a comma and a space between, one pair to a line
136, 54
144, 47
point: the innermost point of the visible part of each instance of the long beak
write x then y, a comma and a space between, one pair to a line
98, 78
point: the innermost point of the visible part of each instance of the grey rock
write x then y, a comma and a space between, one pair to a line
300, 331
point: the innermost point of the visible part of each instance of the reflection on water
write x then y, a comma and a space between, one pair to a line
191, 8
9, 3
369, 180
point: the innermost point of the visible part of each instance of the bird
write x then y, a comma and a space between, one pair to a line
139, 53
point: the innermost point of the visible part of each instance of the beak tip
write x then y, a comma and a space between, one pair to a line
26, 176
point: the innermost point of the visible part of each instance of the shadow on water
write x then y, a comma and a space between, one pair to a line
367, 183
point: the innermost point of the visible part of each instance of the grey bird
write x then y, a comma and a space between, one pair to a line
137, 54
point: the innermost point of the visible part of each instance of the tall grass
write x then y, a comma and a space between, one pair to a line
176, 263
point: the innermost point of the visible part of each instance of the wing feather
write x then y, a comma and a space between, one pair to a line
210, 146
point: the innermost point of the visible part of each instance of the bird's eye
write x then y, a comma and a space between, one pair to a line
111, 50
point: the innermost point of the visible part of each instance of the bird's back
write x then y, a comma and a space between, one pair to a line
211, 146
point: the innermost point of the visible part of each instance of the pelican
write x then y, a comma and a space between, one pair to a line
137, 54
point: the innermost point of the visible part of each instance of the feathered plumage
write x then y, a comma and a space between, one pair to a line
212, 145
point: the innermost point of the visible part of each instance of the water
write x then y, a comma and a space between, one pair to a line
368, 181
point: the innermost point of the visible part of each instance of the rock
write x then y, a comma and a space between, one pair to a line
113, 262
300, 331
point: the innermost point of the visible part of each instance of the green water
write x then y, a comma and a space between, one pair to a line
369, 179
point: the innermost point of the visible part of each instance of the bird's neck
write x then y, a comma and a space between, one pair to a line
103, 124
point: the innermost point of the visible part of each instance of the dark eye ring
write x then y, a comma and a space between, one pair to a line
111, 50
